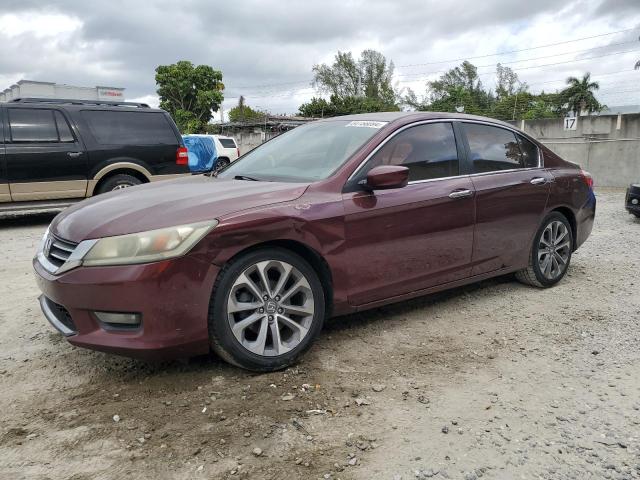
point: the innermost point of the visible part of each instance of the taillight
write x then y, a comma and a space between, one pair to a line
588, 179
182, 156
238, 151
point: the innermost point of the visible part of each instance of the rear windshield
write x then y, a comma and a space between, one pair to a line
130, 128
227, 142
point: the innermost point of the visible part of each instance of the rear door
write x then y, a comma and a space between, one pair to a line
146, 138
407, 239
44, 159
5, 196
511, 189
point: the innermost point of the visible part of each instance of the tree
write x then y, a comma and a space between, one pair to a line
320, 107
189, 93
341, 79
244, 113
464, 77
579, 94
508, 83
370, 76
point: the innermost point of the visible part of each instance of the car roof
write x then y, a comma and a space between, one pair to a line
414, 116
81, 106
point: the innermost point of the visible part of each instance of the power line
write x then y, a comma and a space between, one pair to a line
474, 57
520, 50
426, 74
531, 59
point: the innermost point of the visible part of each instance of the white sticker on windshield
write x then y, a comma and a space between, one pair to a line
366, 123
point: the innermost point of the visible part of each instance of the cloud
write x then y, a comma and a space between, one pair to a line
266, 48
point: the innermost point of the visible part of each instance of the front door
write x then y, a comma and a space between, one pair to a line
44, 159
511, 188
408, 239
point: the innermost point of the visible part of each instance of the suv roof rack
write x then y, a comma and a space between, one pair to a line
79, 102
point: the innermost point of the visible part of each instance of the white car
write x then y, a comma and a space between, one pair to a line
227, 150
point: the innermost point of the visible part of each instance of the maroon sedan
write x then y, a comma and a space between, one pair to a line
336, 216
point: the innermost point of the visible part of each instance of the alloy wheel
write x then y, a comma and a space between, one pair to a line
270, 308
554, 250
120, 186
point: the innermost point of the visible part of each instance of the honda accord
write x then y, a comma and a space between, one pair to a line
336, 216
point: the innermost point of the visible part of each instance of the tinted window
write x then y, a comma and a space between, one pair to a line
32, 125
492, 148
227, 142
428, 151
63, 128
530, 155
129, 128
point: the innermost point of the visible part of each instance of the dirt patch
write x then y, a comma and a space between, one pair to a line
494, 380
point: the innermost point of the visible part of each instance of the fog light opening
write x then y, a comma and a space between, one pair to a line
119, 320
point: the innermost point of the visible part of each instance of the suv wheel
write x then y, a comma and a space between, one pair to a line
550, 253
118, 182
267, 307
222, 163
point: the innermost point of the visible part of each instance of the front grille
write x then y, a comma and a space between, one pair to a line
59, 250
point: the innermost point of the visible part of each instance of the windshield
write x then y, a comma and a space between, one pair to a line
305, 154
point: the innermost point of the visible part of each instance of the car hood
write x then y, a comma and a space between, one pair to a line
167, 203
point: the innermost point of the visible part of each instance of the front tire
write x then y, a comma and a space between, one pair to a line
266, 309
550, 253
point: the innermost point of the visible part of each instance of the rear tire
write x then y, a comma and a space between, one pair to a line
550, 253
265, 328
118, 182
222, 163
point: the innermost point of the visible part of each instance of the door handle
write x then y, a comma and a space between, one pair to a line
538, 181
74, 154
461, 193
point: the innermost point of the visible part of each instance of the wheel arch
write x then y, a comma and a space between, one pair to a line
312, 256
571, 217
127, 168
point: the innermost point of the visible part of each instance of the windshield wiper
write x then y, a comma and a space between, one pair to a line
245, 177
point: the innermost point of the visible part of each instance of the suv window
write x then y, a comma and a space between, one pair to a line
129, 128
227, 142
428, 151
493, 148
63, 128
32, 125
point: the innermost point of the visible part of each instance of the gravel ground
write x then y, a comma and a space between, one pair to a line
494, 380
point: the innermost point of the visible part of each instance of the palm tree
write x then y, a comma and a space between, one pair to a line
579, 94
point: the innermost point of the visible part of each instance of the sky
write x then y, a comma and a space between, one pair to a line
266, 49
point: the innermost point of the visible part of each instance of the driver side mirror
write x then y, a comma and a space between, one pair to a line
386, 177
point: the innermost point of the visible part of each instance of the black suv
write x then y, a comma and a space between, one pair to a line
55, 151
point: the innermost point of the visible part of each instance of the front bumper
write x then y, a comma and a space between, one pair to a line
172, 298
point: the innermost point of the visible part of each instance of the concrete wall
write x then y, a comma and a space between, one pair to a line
608, 146
248, 140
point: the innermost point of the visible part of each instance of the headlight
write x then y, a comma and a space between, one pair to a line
143, 247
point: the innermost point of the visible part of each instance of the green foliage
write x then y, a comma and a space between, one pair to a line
579, 94
189, 93
244, 113
460, 89
354, 86
319, 107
